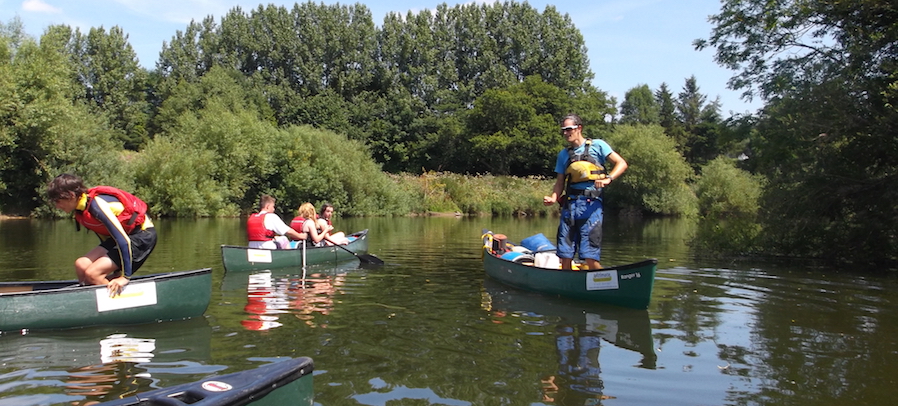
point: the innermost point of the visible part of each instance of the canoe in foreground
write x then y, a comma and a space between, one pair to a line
236, 258
64, 304
625, 285
281, 383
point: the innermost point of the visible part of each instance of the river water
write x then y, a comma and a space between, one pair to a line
428, 328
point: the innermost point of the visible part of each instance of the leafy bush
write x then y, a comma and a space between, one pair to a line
724, 190
656, 180
729, 200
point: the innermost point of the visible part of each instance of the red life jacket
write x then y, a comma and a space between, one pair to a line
133, 214
296, 223
255, 228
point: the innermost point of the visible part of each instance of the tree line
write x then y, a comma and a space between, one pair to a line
316, 103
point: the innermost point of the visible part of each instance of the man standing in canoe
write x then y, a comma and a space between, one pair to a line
264, 227
127, 235
581, 177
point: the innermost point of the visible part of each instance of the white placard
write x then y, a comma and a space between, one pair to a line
133, 295
263, 256
602, 280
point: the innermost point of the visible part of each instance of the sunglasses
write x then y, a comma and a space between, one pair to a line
570, 127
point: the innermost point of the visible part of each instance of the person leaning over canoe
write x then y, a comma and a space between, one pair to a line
264, 227
580, 180
127, 235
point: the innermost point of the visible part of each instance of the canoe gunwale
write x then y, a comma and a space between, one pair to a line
70, 286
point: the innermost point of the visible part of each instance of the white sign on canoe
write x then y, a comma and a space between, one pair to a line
602, 280
263, 256
133, 295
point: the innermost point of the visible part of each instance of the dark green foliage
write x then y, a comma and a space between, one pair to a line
43, 131
517, 129
826, 139
110, 81
639, 107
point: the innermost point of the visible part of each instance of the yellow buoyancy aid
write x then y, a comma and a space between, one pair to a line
583, 167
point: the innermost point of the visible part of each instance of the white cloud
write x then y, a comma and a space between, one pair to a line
39, 6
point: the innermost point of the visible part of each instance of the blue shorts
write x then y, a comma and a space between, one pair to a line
580, 229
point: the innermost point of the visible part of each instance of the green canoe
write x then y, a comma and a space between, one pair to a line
625, 285
237, 258
281, 383
65, 304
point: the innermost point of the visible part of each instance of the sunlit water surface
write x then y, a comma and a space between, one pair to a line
428, 328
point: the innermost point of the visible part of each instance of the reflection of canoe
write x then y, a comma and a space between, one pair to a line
625, 328
626, 285
64, 304
232, 281
282, 383
176, 341
240, 258
107, 362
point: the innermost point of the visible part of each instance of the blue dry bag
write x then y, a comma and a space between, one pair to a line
538, 243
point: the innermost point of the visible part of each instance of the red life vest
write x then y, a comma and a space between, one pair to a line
296, 223
133, 214
255, 228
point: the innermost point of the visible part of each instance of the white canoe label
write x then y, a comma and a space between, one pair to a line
217, 386
133, 295
263, 256
601, 280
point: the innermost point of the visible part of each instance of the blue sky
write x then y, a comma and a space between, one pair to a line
630, 42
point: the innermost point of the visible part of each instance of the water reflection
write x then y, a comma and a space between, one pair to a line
579, 328
99, 364
270, 296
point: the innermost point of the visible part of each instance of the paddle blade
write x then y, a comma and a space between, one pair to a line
370, 259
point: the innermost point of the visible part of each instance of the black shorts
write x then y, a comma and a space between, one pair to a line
142, 244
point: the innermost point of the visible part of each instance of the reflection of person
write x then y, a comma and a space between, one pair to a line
127, 235
264, 227
578, 365
324, 221
579, 183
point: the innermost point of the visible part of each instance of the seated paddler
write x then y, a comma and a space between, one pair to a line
266, 229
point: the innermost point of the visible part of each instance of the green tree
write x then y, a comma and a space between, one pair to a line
669, 120
515, 130
667, 110
115, 84
43, 131
826, 137
639, 107
657, 176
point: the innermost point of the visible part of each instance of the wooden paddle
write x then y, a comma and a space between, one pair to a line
370, 259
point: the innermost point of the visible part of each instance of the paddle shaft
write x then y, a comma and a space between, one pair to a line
362, 257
